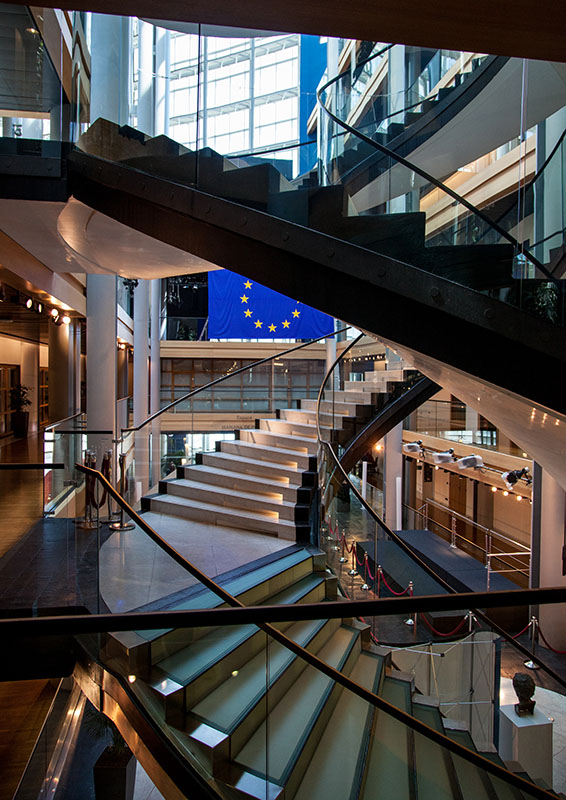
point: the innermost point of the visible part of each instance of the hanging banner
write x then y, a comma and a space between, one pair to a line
240, 308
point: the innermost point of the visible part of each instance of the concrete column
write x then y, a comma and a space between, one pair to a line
162, 70
393, 475
146, 110
155, 316
101, 358
29, 376
397, 82
110, 68
64, 370
548, 542
550, 194
155, 378
141, 352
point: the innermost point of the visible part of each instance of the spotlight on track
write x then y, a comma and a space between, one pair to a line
413, 447
447, 457
29, 302
514, 475
470, 462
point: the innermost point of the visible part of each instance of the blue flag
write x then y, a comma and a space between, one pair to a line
239, 308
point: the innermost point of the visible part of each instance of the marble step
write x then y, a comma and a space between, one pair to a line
194, 489
291, 458
357, 396
275, 440
238, 705
278, 473
266, 522
306, 417
140, 649
336, 765
434, 769
388, 772
237, 480
292, 428
338, 407
300, 716
183, 679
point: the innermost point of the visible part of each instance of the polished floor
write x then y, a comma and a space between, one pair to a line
21, 491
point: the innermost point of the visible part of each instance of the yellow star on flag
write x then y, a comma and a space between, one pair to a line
272, 327
286, 323
247, 285
244, 298
258, 324
247, 313
296, 313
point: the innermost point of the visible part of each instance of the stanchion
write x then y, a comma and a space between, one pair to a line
342, 558
378, 581
121, 525
89, 460
530, 664
471, 620
365, 587
353, 572
411, 621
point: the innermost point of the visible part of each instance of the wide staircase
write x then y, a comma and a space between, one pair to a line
262, 723
264, 481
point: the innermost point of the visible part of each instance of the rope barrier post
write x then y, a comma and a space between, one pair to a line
530, 664
411, 621
378, 580
121, 525
336, 539
342, 558
365, 587
453, 533
88, 524
471, 620
353, 572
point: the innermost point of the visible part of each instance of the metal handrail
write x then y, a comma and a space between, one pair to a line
60, 422
469, 522
187, 396
326, 446
434, 181
238, 612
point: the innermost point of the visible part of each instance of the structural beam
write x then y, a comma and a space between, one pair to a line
485, 26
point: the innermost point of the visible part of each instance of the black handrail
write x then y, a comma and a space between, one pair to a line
111, 620
32, 465
231, 375
431, 179
405, 547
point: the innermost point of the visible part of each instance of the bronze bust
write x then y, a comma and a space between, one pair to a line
524, 687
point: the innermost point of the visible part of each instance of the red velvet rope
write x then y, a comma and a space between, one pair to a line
397, 594
527, 626
545, 640
439, 633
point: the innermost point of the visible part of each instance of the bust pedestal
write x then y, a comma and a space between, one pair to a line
528, 740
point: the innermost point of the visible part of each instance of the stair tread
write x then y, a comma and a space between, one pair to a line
225, 706
333, 768
233, 457
301, 441
387, 771
265, 447
189, 662
280, 738
258, 516
431, 760
469, 777
256, 479
220, 490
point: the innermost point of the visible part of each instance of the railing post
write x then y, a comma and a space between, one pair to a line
488, 567
530, 664
453, 532
426, 516
487, 546
89, 460
121, 525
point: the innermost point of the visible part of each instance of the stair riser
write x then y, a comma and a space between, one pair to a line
331, 409
300, 461
277, 690
282, 441
259, 469
223, 516
288, 427
221, 671
295, 776
358, 397
237, 481
204, 493
173, 641
309, 418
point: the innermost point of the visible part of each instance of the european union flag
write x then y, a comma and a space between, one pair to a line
239, 308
